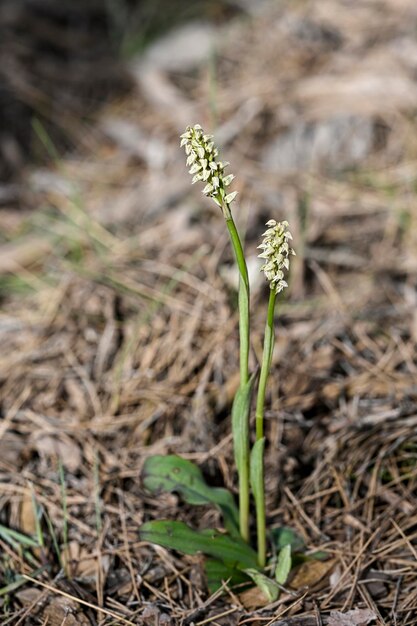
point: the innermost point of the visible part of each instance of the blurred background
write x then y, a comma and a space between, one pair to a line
61, 61
118, 322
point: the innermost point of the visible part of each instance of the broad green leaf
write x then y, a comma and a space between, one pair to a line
240, 426
172, 473
284, 536
269, 587
176, 535
257, 472
284, 565
217, 573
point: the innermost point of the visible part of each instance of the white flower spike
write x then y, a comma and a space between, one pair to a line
276, 252
202, 157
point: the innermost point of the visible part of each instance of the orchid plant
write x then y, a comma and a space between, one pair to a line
230, 555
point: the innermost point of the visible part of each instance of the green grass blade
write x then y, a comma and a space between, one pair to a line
37, 513
64, 503
15, 538
20, 581
53, 537
178, 536
172, 473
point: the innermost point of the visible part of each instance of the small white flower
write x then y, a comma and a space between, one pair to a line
276, 252
230, 197
195, 168
208, 189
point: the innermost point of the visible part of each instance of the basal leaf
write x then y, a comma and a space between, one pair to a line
284, 565
283, 536
172, 473
217, 573
176, 535
240, 426
319, 555
269, 587
257, 471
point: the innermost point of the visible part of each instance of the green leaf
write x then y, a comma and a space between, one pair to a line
257, 472
284, 536
269, 587
234, 552
284, 565
172, 473
319, 555
240, 426
217, 573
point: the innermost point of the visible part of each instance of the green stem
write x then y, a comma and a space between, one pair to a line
244, 366
244, 499
243, 301
260, 406
258, 489
266, 364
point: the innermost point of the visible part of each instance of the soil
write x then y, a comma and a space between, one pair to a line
119, 327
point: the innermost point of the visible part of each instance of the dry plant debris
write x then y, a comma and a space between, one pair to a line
117, 333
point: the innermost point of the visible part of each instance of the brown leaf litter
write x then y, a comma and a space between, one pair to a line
119, 330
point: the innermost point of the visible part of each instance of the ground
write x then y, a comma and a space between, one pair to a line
119, 326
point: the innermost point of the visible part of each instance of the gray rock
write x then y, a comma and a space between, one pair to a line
182, 49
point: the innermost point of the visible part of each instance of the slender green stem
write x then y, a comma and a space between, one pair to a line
258, 488
244, 495
261, 525
260, 404
243, 301
244, 367
266, 364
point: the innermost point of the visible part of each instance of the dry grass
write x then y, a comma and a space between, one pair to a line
119, 340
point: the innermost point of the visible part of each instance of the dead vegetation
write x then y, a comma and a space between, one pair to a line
119, 328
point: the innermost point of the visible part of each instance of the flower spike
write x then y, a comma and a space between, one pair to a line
276, 252
204, 167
